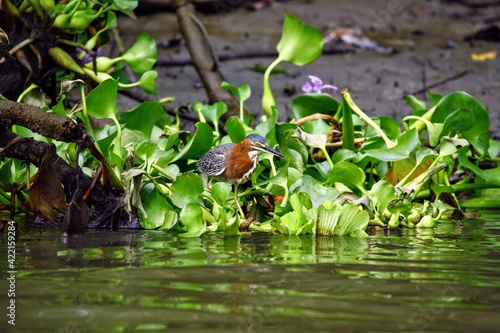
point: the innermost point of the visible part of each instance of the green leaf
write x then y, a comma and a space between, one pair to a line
317, 192
490, 176
268, 128
191, 216
279, 184
440, 188
199, 143
235, 129
214, 112
300, 220
186, 188
311, 140
381, 194
389, 125
434, 98
126, 4
347, 125
348, 174
243, 92
221, 191
461, 121
317, 126
406, 144
300, 44
147, 82
461, 109
145, 149
101, 101
157, 208
308, 104
340, 220
415, 103
142, 56
144, 117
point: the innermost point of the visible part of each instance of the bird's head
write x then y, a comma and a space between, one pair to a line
258, 143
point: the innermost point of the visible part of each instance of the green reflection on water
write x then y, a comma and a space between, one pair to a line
445, 278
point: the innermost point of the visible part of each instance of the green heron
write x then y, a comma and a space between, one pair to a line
235, 163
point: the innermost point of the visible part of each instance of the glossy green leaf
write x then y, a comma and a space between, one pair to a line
156, 207
308, 104
142, 56
221, 191
101, 101
434, 97
235, 129
126, 4
460, 121
317, 192
381, 194
243, 92
191, 216
406, 144
144, 116
317, 126
490, 176
389, 125
147, 82
279, 184
186, 188
145, 149
299, 221
199, 143
340, 220
268, 128
415, 103
300, 43
348, 174
214, 112
461, 109
441, 188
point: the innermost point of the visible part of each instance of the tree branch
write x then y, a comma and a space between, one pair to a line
203, 57
39, 121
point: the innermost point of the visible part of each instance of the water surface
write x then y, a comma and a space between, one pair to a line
442, 280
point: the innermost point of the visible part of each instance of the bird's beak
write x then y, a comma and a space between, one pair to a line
271, 150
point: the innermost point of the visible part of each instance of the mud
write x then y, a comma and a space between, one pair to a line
427, 36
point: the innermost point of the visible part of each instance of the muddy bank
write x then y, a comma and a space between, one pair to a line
427, 38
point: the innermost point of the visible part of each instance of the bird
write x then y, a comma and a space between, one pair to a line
235, 163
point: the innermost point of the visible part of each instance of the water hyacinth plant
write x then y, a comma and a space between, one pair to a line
343, 172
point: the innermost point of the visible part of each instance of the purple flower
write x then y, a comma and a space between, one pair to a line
316, 85
88, 57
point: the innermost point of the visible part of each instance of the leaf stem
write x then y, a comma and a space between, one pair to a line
267, 97
389, 143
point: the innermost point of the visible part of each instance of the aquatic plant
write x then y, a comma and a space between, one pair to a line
344, 171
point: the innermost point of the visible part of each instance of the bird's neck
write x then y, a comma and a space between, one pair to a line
254, 156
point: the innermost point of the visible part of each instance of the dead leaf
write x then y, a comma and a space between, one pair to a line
401, 168
491, 55
77, 215
46, 192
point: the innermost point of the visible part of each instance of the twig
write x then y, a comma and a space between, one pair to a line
203, 57
339, 144
246, 55
440, 83
474, 4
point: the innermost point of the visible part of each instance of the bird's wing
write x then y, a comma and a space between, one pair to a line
213, 162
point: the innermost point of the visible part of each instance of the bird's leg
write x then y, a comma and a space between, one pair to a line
237, 201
